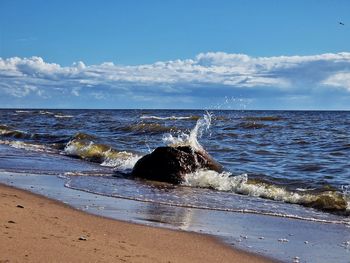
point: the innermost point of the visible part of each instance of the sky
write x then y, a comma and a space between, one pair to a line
262, 54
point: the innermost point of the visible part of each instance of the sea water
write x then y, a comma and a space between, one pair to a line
285, 164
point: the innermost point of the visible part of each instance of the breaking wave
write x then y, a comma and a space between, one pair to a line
81, 146
62, 116
150, 117
9, 132
332, 201
28, 146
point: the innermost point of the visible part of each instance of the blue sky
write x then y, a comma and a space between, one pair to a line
175, 54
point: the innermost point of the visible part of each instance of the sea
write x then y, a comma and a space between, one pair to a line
280, 164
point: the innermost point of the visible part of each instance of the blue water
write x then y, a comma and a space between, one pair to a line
276, 162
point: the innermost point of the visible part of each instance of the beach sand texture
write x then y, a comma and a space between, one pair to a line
37, 229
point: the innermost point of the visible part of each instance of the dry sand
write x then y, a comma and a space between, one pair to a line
37, 229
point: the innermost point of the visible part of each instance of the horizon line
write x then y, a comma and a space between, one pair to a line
179, 109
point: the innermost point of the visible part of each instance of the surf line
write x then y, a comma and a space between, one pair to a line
241, 211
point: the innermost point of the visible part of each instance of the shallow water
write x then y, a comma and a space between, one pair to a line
285, 239
276, 162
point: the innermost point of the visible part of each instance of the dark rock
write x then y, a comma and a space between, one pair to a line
20, 206
11, 222
170, 164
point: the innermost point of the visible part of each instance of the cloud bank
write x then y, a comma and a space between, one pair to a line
298, 81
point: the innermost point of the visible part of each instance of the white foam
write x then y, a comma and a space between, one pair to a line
72, 149
239, 184
122, 164
151, 117
212, 179
63, 116
46, 112
23, 111
28, 146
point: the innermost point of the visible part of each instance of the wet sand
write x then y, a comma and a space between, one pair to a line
36, 229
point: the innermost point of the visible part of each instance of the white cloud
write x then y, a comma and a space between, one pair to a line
204, 74
341, 80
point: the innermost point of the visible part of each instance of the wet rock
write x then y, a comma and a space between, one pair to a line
171, 164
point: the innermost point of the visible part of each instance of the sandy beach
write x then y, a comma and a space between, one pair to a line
37, 229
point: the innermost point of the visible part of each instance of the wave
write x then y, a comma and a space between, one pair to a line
42, 112
325, 200
100, 153
82, 146
23, 111
150, 117
45, 112
28, 146
252, 125
10, 132
62, 116
148, 128
263, 118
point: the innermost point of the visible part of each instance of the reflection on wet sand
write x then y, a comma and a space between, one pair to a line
179, 217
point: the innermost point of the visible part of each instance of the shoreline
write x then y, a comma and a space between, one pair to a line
37, 229
275, 238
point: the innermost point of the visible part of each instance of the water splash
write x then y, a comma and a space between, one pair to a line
191, 139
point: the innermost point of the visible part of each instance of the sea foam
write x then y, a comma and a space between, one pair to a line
240, 184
